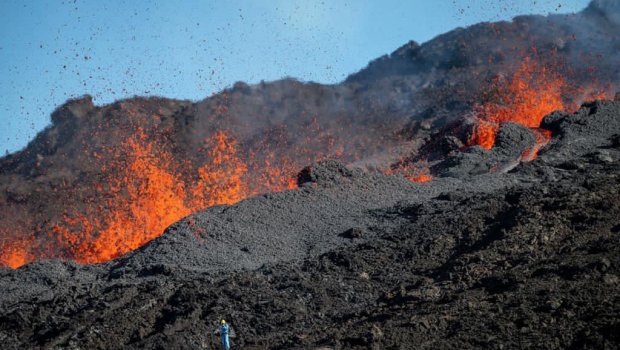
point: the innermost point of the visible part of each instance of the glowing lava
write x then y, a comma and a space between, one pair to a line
221, 180
415, 172
532, 92
420, 178
142, 188
542, 138
142, 193
144, 197
15, 253
420, 173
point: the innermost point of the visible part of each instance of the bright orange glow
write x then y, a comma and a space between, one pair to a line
542, 138
276, 175
15, 253
420, 178
145, 197
222, 179
483, 134
532, 92
418, 172
142, 193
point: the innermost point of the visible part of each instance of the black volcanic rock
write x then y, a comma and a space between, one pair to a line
363, 261
377, 116
325, 172
512, 140
579, 134
494, 252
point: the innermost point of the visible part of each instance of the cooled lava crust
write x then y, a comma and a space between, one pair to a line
509, 242
528, 258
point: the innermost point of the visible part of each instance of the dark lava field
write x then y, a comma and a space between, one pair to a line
514, 246
529, 258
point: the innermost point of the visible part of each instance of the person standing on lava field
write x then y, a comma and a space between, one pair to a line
224, 330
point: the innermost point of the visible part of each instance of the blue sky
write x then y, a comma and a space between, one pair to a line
54, 50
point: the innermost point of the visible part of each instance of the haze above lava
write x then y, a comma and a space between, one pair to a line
102, 181
471, 178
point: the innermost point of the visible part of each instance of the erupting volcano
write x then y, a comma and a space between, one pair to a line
138, 186
144, 193
532, 92
132, 169
470, 178
141, 189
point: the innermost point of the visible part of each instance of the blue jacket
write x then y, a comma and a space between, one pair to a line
224, 330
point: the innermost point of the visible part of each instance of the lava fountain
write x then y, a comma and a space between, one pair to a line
534, 90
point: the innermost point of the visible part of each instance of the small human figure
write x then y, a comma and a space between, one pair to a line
224, 331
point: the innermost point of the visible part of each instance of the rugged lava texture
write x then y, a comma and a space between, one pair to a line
528, 258
497, 251
50, 191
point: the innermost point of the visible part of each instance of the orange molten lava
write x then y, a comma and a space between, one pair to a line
542, 138
532, 92
420, 178
16, 253
144, 197
418, 172
221, 180
142, 191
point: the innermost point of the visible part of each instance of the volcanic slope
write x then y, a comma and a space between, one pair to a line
67, 194
528, 258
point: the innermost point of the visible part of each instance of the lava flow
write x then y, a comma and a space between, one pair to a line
142, 192
15, 253
533, 91
133, 185
417, 172
146, 195
542, 138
